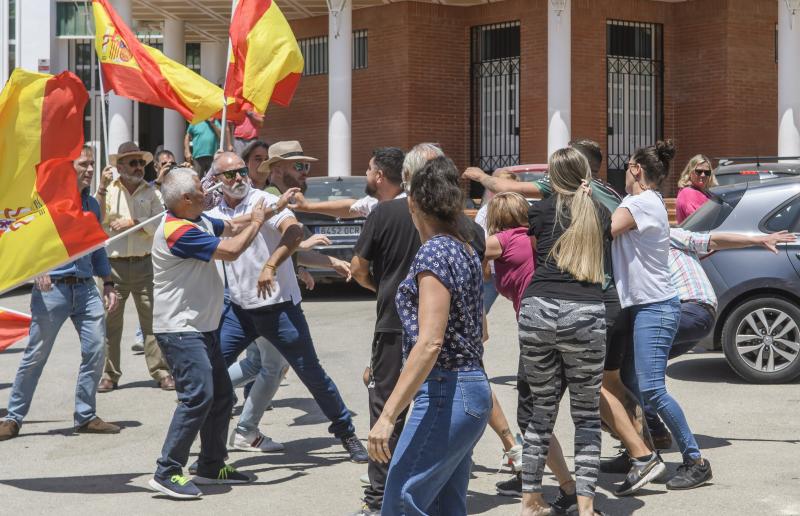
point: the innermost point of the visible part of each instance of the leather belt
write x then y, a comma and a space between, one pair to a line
131, 258
70, 280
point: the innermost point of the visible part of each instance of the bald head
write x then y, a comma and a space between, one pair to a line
226, 161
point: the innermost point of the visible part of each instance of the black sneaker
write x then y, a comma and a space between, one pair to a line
619, 464
225, 475
510, 487
691, 475
641, 474
356, 450
176, 486
565, 503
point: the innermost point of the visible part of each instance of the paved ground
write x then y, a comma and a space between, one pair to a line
750, 433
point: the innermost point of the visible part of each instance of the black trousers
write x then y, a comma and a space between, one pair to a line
386, 363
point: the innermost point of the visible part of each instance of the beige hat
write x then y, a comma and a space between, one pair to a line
129, 149
281, 151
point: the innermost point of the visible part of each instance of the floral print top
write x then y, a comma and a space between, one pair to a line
458, 267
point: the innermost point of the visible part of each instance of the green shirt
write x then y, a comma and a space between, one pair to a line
204, 139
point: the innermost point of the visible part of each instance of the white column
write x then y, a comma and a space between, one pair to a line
340, 87
212, 61
120, 109
559, 77
35, 35
788, 80
175, 49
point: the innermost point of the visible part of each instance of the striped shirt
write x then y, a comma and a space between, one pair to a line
688, 277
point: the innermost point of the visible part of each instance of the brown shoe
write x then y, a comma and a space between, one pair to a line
167, 383
98, 426
106, 385
9, 429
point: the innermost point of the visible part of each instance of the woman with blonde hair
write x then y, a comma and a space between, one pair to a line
562, 326
694, 182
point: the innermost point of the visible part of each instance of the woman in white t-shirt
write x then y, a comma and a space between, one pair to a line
640, 253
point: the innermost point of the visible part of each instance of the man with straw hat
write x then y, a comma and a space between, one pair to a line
124, 202
286, 167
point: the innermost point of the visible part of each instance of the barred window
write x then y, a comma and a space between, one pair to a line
315, 53
193, 57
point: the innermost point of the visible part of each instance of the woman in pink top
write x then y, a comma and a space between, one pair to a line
696, 179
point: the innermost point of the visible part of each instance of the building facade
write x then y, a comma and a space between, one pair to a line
495, 83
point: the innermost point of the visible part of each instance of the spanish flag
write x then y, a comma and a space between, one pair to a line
42, 223
14, 326
138, 72
266, 62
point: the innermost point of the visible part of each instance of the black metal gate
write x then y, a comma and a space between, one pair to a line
635, 72
494, 107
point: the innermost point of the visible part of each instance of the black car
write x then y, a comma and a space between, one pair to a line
343, 233
749, 169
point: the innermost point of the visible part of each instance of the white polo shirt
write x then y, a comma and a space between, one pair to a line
242, 274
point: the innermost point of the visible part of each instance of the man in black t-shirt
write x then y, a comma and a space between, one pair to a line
383, 255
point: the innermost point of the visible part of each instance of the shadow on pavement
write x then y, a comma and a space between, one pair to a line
85, 484
510, 380
336, 292
14, 350
5, 386
299, 456
70, 430
313, 415
704, 369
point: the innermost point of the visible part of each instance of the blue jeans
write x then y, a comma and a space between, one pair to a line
654, 328
284, 326
490, 294
49, 310
264, 363
205, 402
430, 467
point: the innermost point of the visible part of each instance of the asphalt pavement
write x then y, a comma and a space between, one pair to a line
750, 433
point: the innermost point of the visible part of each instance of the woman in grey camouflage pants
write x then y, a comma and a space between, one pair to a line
562, 327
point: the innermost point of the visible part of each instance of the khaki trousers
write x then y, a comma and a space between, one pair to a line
133, 277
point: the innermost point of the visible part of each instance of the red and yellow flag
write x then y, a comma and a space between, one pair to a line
138, 72
266, 62
14, 326
42, 223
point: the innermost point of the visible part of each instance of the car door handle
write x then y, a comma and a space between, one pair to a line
797, 255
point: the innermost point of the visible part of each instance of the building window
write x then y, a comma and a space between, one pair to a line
315, 53
635, 77
12, 36
73, 19
494, 105
193, 57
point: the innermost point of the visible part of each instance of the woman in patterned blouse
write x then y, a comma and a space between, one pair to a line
440, 305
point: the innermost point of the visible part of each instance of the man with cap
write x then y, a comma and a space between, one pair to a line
125, 202
286, 167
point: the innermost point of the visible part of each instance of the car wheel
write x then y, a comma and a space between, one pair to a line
761, 340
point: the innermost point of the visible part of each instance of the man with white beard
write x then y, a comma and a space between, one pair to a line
265, 299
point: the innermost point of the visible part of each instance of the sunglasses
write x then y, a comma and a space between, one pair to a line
231, 174
299, 166
702, 172
137, 162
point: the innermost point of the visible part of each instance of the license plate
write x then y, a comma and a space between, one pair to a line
339, 230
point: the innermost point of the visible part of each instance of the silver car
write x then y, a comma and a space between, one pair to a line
758, 321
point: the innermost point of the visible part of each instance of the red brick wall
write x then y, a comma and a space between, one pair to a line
720, 78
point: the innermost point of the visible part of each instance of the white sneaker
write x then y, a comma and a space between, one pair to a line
256, 442
513, 458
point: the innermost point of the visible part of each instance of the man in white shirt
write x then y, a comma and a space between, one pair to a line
266, 299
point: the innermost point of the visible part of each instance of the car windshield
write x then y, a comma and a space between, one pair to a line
527, 177
331, 189
747, 176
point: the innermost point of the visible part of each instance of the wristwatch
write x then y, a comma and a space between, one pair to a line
273, 207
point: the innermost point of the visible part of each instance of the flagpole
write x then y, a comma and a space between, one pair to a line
104, 125
225, 84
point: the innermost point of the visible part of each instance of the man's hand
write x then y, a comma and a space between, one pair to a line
286, 198
342, 268
474, 174
300, 203
43, 283
781, 237
107, 176
378, 440
266, 282
313, 241
259, 213
306, 278
122, 224
110, 298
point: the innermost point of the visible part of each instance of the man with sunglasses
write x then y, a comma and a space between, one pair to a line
125, 202
265, 302
286, 167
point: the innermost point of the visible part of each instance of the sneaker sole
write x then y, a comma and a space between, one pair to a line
699, 484
651, 475
155, 486
203, 481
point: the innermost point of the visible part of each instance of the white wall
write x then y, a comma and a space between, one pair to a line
36, 33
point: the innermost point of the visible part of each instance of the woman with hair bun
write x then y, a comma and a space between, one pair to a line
440, 305
640, 254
